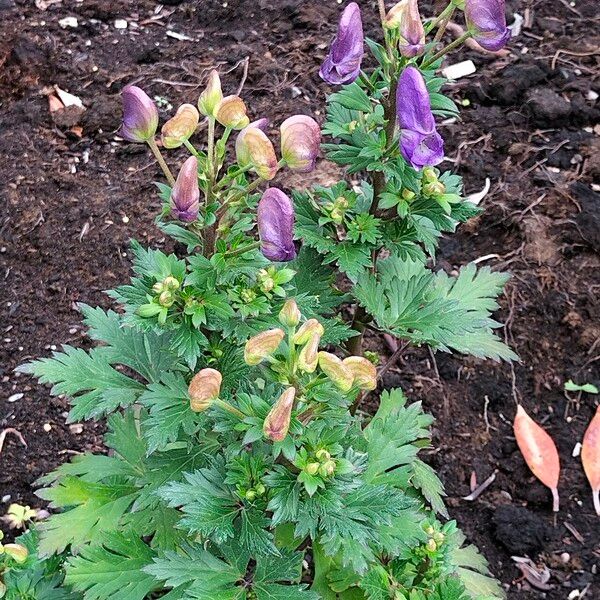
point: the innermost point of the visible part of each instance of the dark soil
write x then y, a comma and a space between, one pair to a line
72, 198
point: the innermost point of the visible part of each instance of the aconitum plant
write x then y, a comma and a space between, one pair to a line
239, 463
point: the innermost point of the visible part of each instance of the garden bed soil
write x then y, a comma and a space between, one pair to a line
73, 197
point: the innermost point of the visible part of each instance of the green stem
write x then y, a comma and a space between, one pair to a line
440, 18
242, 250
457, 42
382, 11
161, 161
231, 176
229, 408
191, 148
442, 26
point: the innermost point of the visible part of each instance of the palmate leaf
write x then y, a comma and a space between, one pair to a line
96, 388
352, 259
410, 301
112, 569
425, 479
95, 508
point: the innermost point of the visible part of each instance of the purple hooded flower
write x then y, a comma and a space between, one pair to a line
420, 143
275, 217
140, 115
342, 64
185, 195
487, 21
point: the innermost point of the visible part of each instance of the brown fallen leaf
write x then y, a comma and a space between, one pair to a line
539, 451
590, 457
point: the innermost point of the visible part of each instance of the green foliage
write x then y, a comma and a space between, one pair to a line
238, 469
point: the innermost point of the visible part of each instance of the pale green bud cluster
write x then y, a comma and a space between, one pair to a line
336, 210
165, 290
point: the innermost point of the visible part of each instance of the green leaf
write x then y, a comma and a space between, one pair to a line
351, 259
96, 508
113, 569
588, 388
276, 591
425, 479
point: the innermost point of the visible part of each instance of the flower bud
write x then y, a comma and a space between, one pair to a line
327, 469
309, 355
185, 195
158, 287
312, 468
171, 283
254, 149
204, 388
260, 489
323, 454
408, 195
250, 495
231, 112
364, 371
166, 299
439, 537
2, 590
434, 188
277, 422
290, 315
300, 142
140, 115
212, 95
180, 128
307, 330
405, 17
275, 218
262, 345
16, 552
335, 369
431, 545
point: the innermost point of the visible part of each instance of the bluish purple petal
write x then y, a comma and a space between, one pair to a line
275, 217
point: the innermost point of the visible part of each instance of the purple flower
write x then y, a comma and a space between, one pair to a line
487, 21
140, 115
420, 143
185, 195
275, 217
405, 18
300, 141
342, 64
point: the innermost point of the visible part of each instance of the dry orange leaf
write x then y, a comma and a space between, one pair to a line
590, 457
539, 451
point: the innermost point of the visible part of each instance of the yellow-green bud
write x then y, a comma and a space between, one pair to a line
439, 537
337, 216
309, 355
260, 489
429, 174
2, 590
212, 95
158, 287
204, 389
312, 468
407, 194
431, 545
250, 495
307, 330
171, 283
335, 369
352, 126
327, 469
166, 298
16, 552
322, 454
429, 530
231, 112
364, 371
277, 423
179, 128
267, 284
248, 295
262, 345
290, 314
341, 202
434, 188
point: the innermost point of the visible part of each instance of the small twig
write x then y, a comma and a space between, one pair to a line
481, 488
5, 432
392, 360
245, 62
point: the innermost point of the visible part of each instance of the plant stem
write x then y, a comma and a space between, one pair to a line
457, 42
441, 17
229, 408
191, 148
242, 250
382, 11
161, 161
443, 25
210, 233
